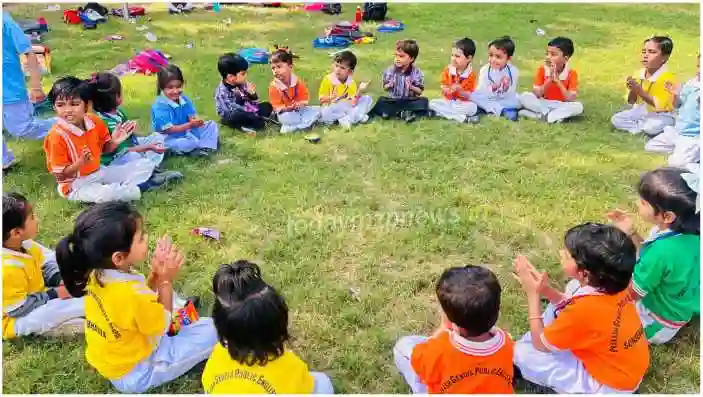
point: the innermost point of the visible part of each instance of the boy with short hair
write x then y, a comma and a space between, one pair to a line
28, 268
236, 100
404, 82
467, 354
289, 95
496, 93
458, 82
340, 97
589, 339
553, 96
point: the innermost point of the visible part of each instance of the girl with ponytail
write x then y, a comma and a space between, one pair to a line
666, 281
128, 315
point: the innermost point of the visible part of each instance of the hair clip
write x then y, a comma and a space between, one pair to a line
692, 179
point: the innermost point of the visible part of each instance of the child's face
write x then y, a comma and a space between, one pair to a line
72, 110
497, 58
137, 251
281, 70
554, 56
459, 60
173, 90
402, 60
649, 215
119, 100
31, 227
652, 57
342, 71
569, 266
236, 79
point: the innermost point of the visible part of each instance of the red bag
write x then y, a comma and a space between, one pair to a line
148, 62
72, 17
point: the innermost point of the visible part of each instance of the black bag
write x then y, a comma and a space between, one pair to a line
103, 11
332, 8
375, 11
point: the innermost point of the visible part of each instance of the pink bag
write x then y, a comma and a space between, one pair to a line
148, 62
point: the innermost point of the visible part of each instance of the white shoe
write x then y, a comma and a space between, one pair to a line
345, 122
364, 118
285, 129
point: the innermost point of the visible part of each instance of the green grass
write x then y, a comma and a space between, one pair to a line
384, 207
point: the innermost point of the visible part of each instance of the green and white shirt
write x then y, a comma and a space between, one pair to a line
113, 120
667, 276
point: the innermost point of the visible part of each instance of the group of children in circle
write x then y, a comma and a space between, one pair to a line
644, 290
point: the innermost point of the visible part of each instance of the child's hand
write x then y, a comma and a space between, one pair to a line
251, 88
622, 220
124, 131
389, 85
631, 84
408, 84
673, 88
62, 292
87, 155
530, 279
363, 86
157, 147
166, 261
196, 122
553, 75
296, 105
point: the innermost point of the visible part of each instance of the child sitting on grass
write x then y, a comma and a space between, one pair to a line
28, 268
682, 140
106, 97
251, 318
467, 354
174, 116
553, 96
127, 316
589, 339
289, 95
340, 97
458, 82
404, 82
651, 104
666, 282
496, 93
236, 100
77, 141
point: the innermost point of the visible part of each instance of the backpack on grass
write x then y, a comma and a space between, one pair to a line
375, 11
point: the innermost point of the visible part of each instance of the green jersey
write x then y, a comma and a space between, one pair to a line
113, 120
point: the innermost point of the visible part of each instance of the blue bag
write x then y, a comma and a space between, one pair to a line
331, 42
255, 55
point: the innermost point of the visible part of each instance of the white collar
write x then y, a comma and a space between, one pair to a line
26, 244
335, 80
117, 275
654, 75
281, 86
485, 348
173, 104
563, 75
586, 290
464, 74
65, 125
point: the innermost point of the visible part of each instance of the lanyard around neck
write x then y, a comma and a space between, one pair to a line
510, 75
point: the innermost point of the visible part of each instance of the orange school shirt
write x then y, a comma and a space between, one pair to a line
64, 145
568, 77
451, 364
467, 81
605, 333
281, 95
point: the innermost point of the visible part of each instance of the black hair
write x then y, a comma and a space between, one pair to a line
409, 47
564, 44
99, 232
282, 55
250, 316
666, 190
466, 46
470, 298
104, 89
666, 45
231, 63
505, 44
15, 211
606, 252
69, 87
346, 58
167, 74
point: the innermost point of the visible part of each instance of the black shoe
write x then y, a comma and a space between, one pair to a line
409, 117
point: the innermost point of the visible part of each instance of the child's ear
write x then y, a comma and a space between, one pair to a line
668, 217
118, 259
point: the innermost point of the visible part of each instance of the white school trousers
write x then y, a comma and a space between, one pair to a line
637, 120
452, 109
51, 317
344, 111
402, 352
204, 137
553, 110
153, 157
495, 105
19, 121
561, 371
172, 357
685, 150
112, 183
298, 119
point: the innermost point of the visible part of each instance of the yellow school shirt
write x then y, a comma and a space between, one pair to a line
21, 276
124, 322
333, 88
287, 374
654, 86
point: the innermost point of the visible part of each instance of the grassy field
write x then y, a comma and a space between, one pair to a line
381, 209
